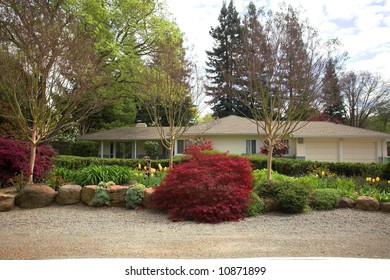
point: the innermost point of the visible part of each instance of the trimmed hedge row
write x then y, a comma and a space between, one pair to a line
289, 167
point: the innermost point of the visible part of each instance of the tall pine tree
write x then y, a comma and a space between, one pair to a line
331, 94
221, 64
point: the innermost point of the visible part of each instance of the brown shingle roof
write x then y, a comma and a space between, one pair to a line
234, 125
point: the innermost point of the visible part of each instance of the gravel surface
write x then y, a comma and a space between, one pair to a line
78, 231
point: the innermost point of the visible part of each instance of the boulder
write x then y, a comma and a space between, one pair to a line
385, 207
270, 204
88, 194
118, 195
6, 202
346, 202
68, 194
146, 202
35, 196
367, 203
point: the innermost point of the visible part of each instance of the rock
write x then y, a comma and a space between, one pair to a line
35, 196
118, 195
6, 202
270, 204
146, 202
367, 203
68, 194
385, 207
346, 202
88, 194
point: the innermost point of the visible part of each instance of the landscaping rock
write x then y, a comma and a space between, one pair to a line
346, 202
118, 195
88, 194
385, 207
35, 196
68, 194
146, 202
6, 202
270, 204
367, 203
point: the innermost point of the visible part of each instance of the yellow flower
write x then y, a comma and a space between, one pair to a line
377, 179
368, 179
160, 167
388, 182
323, 173
152, 170
373, 180
139, 166
152, 175
165, 169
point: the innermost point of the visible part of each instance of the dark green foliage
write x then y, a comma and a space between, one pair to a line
84, 148
151, 148
134, 196
75, 163
386, 172
289, 196
326, 199
93, 174
256, 205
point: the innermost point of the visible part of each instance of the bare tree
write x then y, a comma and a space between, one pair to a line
364, 94
281, 61
47, 68
169, 88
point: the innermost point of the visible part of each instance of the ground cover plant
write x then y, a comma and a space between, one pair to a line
134, 196
207, 188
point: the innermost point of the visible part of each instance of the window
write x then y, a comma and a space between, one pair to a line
251, 147
287, 151
180, 145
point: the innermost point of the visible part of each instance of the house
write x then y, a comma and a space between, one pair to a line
321, 141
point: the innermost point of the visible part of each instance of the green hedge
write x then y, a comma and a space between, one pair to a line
289, 167
75, 162
293, 167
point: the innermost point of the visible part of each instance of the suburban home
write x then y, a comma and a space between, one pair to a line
321, 141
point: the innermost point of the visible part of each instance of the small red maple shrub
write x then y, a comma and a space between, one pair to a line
208, 188
198, 145
15, 159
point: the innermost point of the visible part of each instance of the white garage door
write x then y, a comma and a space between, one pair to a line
327, 151
360, 152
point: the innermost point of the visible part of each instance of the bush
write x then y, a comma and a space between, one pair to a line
92, 175
326, 199
151, 148
134, 196
198, 145
386, 171
256, 205
102, 197
15, 159
207, 188
84, 148
289, 196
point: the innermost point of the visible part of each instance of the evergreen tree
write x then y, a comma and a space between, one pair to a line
221, 64
331, 94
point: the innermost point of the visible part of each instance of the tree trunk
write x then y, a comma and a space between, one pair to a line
269, 161
171, 148
33, 153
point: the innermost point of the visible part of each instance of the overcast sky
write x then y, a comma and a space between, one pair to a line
363, 26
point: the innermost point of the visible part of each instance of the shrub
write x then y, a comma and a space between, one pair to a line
290, 197
134, 196
256, 205
102, 197
151, 148
15, 159
198, 145
207, 188
84, 148
92, 175
386, 171
326, 199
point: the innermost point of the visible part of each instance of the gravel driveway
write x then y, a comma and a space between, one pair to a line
78, 231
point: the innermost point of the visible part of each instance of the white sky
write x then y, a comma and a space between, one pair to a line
362, 26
